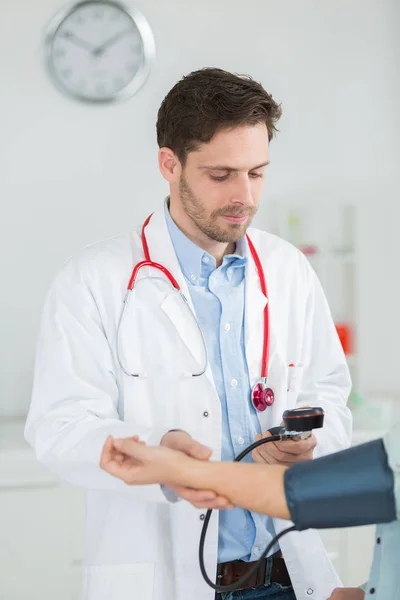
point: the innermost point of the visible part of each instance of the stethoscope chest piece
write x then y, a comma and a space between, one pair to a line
262, 396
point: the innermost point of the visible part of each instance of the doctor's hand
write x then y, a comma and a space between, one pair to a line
182, 441
347, 594
285, 453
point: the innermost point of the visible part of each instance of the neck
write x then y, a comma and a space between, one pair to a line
216, 249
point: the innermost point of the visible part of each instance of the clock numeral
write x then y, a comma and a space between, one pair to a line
79, 19
67, 34
66, 72
98, 14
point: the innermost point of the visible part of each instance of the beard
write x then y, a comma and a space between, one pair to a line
208, 222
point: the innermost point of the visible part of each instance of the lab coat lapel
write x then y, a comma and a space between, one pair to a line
162, 251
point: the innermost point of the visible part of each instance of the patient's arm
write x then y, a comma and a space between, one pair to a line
352, 487
257, 487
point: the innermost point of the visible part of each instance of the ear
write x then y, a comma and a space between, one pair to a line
169, 164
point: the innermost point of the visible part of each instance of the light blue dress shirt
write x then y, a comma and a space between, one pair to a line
384, 581
218, 299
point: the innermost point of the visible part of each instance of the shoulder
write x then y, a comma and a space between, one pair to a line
275, 252
101, 260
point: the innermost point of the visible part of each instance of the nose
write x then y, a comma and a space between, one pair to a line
242, 192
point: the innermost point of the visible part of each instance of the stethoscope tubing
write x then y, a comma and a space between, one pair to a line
239, 583
261, 395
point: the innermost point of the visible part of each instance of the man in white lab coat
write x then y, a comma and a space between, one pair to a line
108, 367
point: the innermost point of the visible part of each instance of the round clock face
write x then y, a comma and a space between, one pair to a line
99, 51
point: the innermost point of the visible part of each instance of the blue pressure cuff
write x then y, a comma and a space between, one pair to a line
345, 489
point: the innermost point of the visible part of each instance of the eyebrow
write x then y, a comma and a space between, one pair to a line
231, 169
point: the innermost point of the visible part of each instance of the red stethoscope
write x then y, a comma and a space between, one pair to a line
262, 396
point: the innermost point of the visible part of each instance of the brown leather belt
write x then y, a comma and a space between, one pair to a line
229, 572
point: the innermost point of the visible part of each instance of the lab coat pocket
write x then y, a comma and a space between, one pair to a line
119, 582
294, 380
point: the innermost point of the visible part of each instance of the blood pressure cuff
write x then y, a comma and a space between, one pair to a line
345, 489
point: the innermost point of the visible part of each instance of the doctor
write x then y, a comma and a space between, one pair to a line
262, 340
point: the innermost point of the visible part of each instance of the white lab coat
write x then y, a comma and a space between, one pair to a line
138, 545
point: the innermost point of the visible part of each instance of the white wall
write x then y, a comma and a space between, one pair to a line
72, 174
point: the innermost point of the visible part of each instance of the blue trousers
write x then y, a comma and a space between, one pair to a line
274, 591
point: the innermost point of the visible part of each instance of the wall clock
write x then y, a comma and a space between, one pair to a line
99, 50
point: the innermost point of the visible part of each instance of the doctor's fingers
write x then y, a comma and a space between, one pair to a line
197, 450
273, 456
269, 460
297, 447
289, 446
182, 441
202, 498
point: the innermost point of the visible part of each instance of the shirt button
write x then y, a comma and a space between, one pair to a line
227, 327
206, 413
202, 517
378, 541
256, 549
206, 259
372, 591
310, 592
240, 441
193, 277
234, 383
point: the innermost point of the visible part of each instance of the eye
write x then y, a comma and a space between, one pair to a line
256, 175
219, 178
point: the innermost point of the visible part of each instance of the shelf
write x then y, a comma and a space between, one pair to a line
326, 234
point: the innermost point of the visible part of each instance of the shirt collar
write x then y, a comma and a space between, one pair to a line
194, 261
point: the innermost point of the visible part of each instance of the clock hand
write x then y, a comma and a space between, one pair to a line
100, 49
78, 41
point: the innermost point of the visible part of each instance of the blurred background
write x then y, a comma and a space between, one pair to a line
74, 172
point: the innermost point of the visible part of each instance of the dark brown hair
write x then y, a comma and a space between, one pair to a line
206, 101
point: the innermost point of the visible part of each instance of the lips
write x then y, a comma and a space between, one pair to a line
235, 218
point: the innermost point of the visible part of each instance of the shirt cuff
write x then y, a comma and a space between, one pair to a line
169, 494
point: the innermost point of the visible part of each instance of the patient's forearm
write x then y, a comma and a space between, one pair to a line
259, 488
349, 488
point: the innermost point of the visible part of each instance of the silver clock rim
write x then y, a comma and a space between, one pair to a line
140, 76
